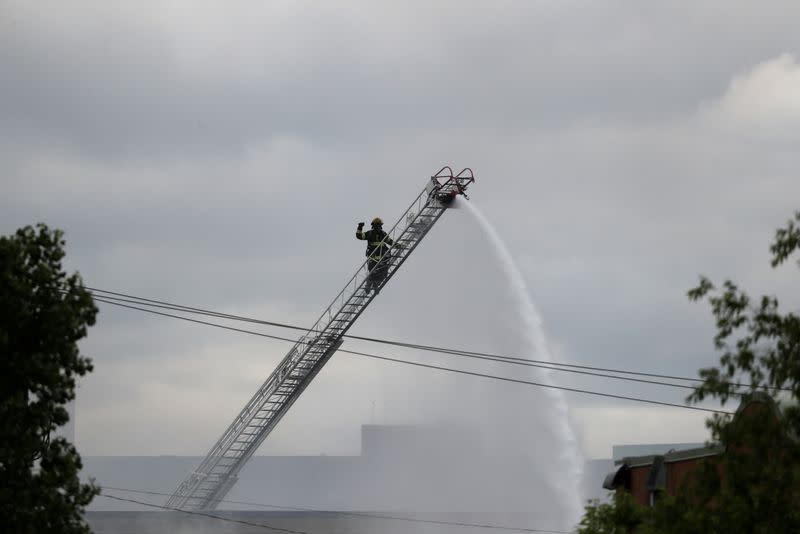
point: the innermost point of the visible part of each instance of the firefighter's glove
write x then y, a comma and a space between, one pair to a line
360, 225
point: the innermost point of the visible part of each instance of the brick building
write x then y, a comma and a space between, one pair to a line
646, 477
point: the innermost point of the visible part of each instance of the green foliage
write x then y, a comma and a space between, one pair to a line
676, 515
787, 240
760, 344
43, 314
754, 486
620, 516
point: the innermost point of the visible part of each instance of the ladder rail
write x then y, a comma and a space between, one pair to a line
207, 485
267, 391
363, 269
254, 444
395, 268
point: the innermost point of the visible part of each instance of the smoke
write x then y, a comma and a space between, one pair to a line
560, 447
478, 450
444, 446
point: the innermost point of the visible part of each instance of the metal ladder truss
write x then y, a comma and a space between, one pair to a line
207, 485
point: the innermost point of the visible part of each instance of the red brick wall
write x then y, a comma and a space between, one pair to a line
677, 471
638, 480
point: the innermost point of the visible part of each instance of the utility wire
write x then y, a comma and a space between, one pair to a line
423, 365
201, 311
203, 514
530, 383
224, 327
455, 352
452, 352
358, 514
556, 366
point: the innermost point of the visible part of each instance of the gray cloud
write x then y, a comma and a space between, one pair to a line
220, 156
203, 81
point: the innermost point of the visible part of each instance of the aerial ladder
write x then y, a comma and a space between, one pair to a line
206, 486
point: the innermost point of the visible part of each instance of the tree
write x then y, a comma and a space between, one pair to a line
620, 516
43, 314
754, 486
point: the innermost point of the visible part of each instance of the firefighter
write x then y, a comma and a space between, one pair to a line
378, 244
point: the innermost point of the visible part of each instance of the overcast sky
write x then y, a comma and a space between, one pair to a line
220, 155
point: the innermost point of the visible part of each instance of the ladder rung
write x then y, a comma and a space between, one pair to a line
303, 360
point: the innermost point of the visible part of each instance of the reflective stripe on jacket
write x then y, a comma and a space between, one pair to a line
373, 238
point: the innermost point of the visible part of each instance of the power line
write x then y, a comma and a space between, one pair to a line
203, 514
452, 352
224, 327
551, 386
423, 365
555, 366
359, 514
221, 315
573, 368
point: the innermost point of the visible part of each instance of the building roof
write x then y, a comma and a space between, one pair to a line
671, 456
657, 462
618, 452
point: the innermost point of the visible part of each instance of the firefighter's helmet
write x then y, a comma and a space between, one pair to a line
377, 221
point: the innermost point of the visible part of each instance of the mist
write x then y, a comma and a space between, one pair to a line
464, 446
